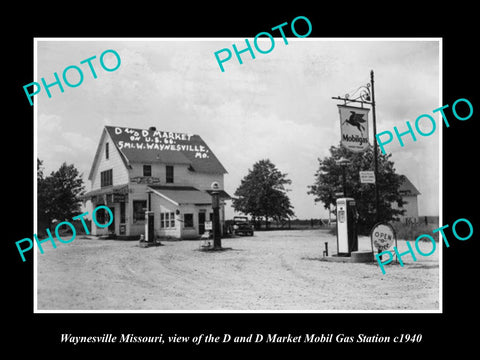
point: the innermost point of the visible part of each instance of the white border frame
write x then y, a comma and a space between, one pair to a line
35, 129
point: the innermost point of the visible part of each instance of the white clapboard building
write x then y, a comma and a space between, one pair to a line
170, 174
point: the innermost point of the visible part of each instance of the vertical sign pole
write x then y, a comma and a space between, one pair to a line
375, 155
217, 240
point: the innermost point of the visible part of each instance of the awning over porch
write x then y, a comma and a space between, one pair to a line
117, 193
183, 195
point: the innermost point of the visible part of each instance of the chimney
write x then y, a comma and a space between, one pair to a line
152, 128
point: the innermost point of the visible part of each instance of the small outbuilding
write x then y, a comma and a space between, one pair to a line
410, 198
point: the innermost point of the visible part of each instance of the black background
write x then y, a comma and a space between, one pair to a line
24, 330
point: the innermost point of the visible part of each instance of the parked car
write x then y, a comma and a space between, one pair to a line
240, 225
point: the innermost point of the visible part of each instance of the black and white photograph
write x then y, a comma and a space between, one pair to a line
242, 189
225, 180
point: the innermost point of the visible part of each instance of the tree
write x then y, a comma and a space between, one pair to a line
262, 193
39, 169
44, 198
58, 195
328, 181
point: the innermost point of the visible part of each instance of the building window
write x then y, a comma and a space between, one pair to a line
106, 151
167, 220
188, 220
139, 207
147, 170
169, 170
106, 178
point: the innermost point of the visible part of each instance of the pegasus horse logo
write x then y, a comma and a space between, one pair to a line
356, 120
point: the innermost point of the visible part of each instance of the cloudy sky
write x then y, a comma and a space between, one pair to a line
276, 106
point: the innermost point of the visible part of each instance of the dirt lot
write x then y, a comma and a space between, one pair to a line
277, 270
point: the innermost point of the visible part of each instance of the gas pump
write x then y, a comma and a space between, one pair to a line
149, 227
347, 240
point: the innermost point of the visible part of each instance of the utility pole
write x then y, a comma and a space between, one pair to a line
365, 94
375, 152
217, 239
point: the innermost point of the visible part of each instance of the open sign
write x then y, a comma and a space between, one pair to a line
383, 236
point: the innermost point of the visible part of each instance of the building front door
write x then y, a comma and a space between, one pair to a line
201, 223
111, 227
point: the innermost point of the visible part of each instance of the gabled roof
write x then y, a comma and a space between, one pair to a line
153, 146
117, 189
186, 194
407, 188
183, 195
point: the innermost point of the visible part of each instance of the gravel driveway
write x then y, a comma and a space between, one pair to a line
276, 270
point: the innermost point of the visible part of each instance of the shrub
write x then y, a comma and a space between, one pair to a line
402, 230
412, 231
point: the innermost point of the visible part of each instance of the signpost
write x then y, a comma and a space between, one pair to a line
383, 235
364, 94
217, 240
354, 127
367, 177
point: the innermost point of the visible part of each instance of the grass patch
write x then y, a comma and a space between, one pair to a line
412, 231
405, 231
